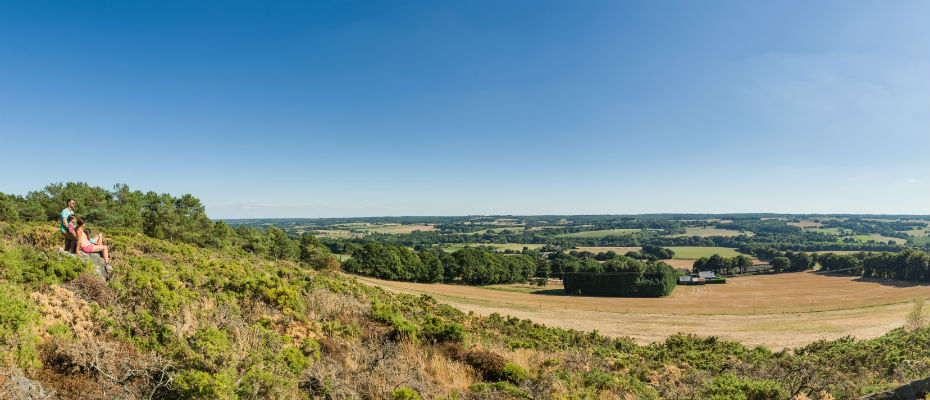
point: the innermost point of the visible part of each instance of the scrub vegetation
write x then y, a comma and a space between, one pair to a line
197, 309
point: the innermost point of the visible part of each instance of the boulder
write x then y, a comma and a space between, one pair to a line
95, 259
912, 390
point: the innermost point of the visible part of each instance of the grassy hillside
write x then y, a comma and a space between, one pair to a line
180, 321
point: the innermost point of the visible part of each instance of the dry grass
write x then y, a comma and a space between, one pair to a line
784, 310
399, 229
805, 223
60, 306
376, 368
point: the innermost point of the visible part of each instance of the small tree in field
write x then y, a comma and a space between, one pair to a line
917, 317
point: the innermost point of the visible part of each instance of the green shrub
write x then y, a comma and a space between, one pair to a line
211, 348
24, 265
18, 318
501, 387
405, 394
440, 331
60, 331
294, 360
311, 349
195, 384
728, 386
513, 373
405, 330
286, 298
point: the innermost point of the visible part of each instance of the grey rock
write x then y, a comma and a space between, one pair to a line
909, 391
95, 259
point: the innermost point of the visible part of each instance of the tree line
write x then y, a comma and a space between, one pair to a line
469, 266
162, 216
622, 277
906, 265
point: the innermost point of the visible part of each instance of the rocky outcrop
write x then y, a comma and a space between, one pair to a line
913, 390
95, 259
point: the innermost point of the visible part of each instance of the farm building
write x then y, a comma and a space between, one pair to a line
701, 278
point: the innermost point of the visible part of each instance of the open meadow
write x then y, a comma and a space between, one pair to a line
598, 234
707, 231
777, 311
695, 252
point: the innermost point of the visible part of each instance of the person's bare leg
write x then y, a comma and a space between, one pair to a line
98, 239
105, 250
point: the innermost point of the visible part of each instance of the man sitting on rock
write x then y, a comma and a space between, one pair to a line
66, 232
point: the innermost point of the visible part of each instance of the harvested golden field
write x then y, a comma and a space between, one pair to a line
397, 228
805, 223
777, 311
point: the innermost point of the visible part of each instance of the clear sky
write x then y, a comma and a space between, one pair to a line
317, 109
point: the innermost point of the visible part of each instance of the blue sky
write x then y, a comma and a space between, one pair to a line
318, 109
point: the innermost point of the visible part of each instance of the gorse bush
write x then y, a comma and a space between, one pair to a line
18, 318
27, 266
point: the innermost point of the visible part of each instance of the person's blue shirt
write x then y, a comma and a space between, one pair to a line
64, 217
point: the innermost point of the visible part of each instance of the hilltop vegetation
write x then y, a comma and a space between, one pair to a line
262, 317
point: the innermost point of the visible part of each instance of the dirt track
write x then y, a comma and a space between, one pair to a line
777, 311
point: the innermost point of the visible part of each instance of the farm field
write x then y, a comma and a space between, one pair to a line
688, 264
396, 228
496, 246
331, 233
833, 231
837, 251
707, 231
876, 237
777, 311
695, 252
918, 232
505, 229
604, 249
599, 234
805, 223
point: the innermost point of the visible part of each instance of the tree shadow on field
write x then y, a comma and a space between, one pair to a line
880, 281
551, 292
892, 282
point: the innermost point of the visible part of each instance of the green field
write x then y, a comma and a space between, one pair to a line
707, 231
875, 237
509, 228
918, 232
495, 246
695, 252
833, 231
599, 234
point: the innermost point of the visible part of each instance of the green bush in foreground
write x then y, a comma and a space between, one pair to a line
18, 318
730, 387
405, 394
